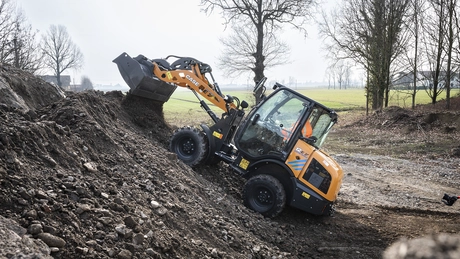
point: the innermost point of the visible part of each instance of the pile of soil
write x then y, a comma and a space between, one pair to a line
88, 175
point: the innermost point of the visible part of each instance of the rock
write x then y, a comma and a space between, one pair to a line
155, 204
35, 229
83, 208
117, 207
124, 254
49, 229
91, 243
51, 240
150, 234
214, 253
151, 252
162, 211
23, 202
111, 252
24, 194
106, 220
130, 222
32, 214
46, 208
138, 239
124, 231
54, 249
81, 250
41, 195
91, 166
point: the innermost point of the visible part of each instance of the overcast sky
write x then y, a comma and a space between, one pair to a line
103, 29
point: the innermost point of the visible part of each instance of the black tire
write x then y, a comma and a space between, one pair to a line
264, 194
190, 145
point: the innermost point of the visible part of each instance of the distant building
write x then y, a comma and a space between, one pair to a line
404, 80
65, 80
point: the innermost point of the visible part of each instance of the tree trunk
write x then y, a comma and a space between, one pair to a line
414, 91
259, 66
449, 52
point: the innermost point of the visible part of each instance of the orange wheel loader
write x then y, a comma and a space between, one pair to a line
264, 144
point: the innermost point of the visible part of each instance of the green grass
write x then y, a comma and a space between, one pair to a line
183, 107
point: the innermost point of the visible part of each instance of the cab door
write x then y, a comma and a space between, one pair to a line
270, 128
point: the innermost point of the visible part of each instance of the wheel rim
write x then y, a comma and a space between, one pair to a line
186, 147
263, 197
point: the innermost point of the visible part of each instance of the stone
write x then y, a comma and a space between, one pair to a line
41, 195
35, 229
124, 254
138, 239
31, 214
162, 211
54, 249
91, 243
150, 252
130, 222
23, 202
82, 250
49, 229
24, 194
91, 166
83, 208
155, 204
51, 240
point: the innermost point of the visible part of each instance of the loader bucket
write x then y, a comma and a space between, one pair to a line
138, 74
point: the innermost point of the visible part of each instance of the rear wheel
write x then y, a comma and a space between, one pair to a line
190, 145
264, 194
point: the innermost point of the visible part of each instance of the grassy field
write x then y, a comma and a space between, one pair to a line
183, 107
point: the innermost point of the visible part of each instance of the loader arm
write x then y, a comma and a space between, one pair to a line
157, 79
195, 81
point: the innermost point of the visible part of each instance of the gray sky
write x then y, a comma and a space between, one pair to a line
103, 29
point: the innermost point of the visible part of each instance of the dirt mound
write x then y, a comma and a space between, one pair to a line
409, 120
89, 175
23, 91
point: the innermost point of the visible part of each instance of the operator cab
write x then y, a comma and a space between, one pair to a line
280, 121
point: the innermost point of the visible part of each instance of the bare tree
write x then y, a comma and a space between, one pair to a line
413, 59
347, 75
452, 34
18, 44
342, 73
8, 20
60, 51
340, 69
27, 52
263, 18
330, 77
237, 57
368, 32
434, 46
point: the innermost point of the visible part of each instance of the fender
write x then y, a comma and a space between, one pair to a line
256, 165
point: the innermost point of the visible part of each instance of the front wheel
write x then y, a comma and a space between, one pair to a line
190, 145
264, 194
